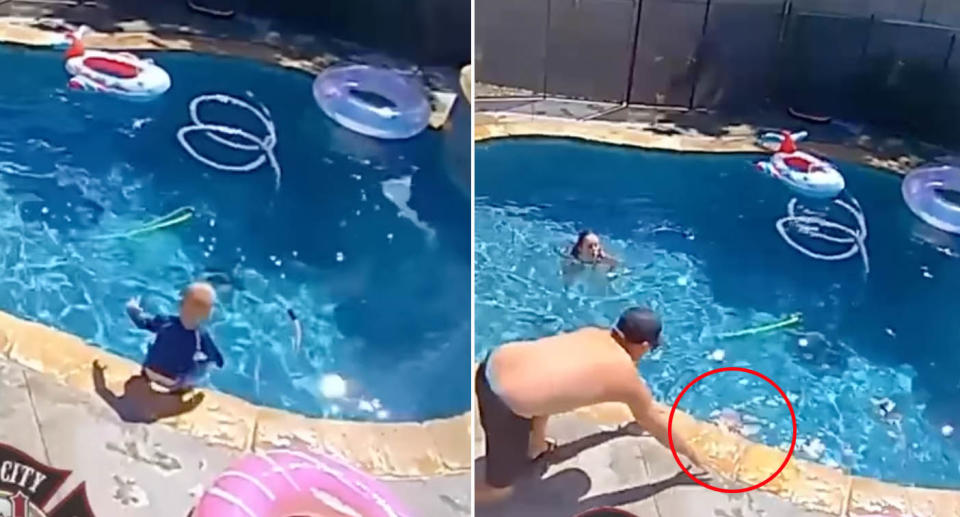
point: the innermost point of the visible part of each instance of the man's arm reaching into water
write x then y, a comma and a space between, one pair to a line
652, 417
210, 349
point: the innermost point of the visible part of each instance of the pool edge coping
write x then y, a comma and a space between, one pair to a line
805, 483
492, 125
808, 484
388, 449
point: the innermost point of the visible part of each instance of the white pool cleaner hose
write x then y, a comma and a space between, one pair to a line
814, 226
265, 144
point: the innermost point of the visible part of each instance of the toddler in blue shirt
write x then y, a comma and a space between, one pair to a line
182, 352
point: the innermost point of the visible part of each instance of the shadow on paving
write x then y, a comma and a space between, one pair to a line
139, 403
561, 494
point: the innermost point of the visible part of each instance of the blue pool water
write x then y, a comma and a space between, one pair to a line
381, 286
697, 234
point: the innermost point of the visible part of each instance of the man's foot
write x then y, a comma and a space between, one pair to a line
486, 494
540, 450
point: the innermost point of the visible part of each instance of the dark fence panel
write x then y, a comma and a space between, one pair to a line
511, 42
589, 48
876, 61
905, 81
737, 56
905, 42
882, 9
446, 30
820, 64
428, 31
670, 32
953, 66
942, 12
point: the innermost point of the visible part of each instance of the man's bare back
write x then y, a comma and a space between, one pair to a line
561, 373
522, 384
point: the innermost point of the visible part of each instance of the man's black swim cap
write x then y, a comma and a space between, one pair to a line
639, 324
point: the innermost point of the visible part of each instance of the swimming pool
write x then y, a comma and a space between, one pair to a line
697, 234
367, 241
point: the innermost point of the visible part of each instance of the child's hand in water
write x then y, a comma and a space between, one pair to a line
133, 304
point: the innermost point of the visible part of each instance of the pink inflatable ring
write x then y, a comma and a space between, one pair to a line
285, 483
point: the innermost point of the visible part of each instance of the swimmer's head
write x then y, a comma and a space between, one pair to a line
587, 247
638, 331
196, 304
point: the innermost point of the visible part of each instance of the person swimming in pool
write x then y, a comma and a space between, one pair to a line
182, 352
588, 249
588, 252
520, 385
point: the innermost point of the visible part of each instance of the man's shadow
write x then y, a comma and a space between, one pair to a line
139, 402
560, 494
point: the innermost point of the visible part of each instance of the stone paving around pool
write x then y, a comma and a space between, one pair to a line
595, 467
146, 470
599, 462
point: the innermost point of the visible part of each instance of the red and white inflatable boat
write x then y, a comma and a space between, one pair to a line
802, 172
121, 74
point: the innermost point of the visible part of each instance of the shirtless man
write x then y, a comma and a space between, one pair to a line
521, 384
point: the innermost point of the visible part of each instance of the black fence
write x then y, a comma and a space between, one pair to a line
428, 32
892, 62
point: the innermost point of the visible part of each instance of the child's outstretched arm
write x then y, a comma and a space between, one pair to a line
139, 317
208, 347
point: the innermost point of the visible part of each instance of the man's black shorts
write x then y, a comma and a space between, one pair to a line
508, 434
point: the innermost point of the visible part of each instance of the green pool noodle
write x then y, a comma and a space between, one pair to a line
178, 216
789, 321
